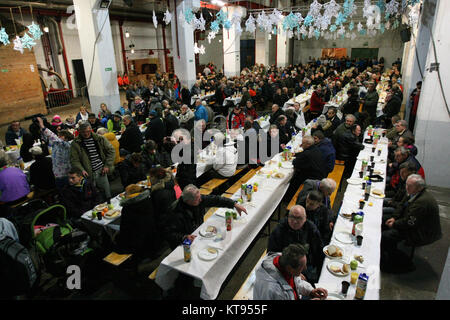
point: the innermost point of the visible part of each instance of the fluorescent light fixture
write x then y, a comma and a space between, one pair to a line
46, 29
220, 3
132, 50
127, 34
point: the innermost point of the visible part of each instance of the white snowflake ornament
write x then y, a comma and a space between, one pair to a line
167, 17
250, 24
18, 44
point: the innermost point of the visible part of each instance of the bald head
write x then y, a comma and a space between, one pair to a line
297, 217
327, 186
307, 142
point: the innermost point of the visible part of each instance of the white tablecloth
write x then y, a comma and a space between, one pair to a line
370, 248
235, 100
202, 97
213, 273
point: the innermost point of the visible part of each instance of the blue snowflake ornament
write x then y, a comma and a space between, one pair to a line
333, 28
221, 16
227, 24
395, 25
382, 5
363, 32
387, 16
341, 19
215, 26
188, 15
317, 34
308, 21
35, 31
351, 26
27, 42
382, 28
4, 38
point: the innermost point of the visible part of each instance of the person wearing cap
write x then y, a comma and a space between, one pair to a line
41, 171
115, 124
156, 130
57, 124
237, 118
94, 122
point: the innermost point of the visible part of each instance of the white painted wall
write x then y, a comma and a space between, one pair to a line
213, 50
389, 44
433, 120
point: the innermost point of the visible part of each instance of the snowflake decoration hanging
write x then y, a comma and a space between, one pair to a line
227, 24
331, 9
341, 30
35, 31
290, 34
300, 18
387, 25
396, 24
340, 19
215, 26
155, 20
392, 7
290, 22
311, 32
250, 24
414, 15
199, 24
314, 9
211, 35
4, 38
18, 44
382, 28
27, 41
382, 5
353, 37
199, 50
362, 32
308, 20
221, 16
188, 15
167, 17
275, 17
263, 22
333, 28
303, 30
349, 7
359, 27
351, 26
317, 34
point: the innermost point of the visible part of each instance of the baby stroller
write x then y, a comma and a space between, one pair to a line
57, 243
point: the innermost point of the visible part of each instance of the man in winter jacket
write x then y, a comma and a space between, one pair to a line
327, 149
156, 130
416, 220
131, 139
14, 132
297, 229
186, 214
279, 277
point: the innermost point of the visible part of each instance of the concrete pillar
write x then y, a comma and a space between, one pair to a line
183, 42
261, 47
100, 69
160, 45
433, 118
416, 52
283, 41
232, 45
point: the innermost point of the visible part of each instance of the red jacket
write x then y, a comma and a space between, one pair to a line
252, 112
316, 104
237, 120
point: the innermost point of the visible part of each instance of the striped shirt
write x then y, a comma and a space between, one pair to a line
94, 156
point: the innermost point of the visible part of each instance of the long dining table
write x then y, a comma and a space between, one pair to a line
273, 182
371, 228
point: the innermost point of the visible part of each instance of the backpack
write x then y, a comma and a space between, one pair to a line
18, 273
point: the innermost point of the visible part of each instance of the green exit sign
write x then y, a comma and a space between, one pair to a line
4, 70
108, 69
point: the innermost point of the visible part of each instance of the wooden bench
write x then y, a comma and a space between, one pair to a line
246, 290
116, 259
208, 187
336, 175
293, 201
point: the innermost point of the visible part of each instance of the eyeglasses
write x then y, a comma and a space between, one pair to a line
295, 218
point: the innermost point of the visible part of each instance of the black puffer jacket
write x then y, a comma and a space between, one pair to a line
308, 236
163, 195
138, 232
131, 140
184, 219
348, 146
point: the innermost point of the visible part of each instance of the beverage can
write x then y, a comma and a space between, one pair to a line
187, 250
361, 286
228, 220
368, 187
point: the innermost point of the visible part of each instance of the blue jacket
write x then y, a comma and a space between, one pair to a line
201, 113
328, 152
10, 136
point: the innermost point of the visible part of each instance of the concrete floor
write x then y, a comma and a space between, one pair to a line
421, 284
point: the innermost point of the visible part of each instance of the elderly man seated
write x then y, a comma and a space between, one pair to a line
279, 277
416, 221
297, 229
186, 214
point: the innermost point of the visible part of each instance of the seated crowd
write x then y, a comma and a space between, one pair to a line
92, 150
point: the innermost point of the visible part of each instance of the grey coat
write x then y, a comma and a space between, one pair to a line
271, 285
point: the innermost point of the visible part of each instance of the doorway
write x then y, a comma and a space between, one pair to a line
80, 77
247, 53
